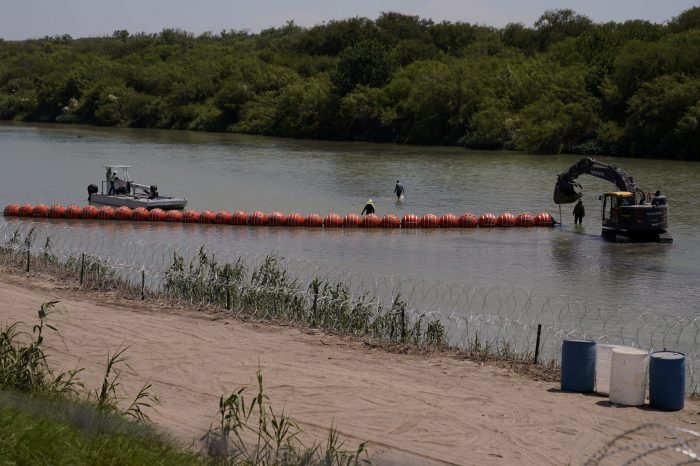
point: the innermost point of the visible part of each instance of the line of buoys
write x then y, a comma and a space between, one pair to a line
295, 219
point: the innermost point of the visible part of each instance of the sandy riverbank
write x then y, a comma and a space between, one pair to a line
415, 409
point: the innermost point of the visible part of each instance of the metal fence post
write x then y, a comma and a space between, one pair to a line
143, 284
82, 268
537, 344
29, 244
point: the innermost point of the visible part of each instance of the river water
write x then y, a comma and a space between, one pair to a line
53, 163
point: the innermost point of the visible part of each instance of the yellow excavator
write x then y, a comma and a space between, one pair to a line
628, 214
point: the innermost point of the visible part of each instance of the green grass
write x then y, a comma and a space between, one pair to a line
45, 431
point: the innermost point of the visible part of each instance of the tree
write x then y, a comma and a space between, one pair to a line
556, 25
367, 63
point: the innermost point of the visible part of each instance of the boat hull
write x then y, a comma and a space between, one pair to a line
165, 203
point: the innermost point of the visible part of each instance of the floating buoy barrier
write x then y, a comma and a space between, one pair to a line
371, 221
105, 213
487, 221
140, 214
173, 216
409, 221
351, 221
313, 221
122, 213
295, 219
240, 217
333, 221
88, 212
58, 211
505, 220
391, 221
257, 218
277, 219
156, 215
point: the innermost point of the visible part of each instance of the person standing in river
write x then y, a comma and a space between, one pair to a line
398, 190
579, 212
369, 208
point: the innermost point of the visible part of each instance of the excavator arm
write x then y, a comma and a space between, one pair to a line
565, 190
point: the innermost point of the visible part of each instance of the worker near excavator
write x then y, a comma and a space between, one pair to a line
579, 212
369, 208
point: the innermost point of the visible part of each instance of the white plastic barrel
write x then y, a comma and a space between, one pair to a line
603, 362
628, 376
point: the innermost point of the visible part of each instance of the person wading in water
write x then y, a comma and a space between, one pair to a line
579, 212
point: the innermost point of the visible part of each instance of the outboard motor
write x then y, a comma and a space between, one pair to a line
153, 192
92, 189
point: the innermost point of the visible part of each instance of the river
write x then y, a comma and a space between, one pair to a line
55, 163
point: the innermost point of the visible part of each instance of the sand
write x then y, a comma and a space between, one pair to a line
414, 409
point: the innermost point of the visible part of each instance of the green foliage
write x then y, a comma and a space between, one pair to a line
59, 431
560, 85
276, 443
23, 366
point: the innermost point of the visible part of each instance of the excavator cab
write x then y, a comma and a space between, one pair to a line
611, 207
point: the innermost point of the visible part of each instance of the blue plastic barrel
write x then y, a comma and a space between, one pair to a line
578, 365
667, 380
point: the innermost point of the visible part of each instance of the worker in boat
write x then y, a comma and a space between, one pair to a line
579, 212
111, 178
398, 190
369, 208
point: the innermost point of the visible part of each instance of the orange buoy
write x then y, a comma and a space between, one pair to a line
40, 211
391, 221
190, 216
371, 221
333, 221
352, 221
543, 219
467, 221
89, 212
57, 211
524, 220
409, 221
122, 213
449, 221
295, 219
505, 220
156, 215
487, 220
258, 218
207, 216
277, 219
223, 217
313, 221
11, 210
429, 221
105, 213
74, 211
240, 217
173, 216
26, 210
139, 214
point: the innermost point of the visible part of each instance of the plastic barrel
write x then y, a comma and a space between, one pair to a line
603, 361
667, 380
577, 365
628, 376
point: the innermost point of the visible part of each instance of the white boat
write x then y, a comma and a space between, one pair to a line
123, 191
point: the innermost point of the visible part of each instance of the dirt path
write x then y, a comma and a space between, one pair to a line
415, 409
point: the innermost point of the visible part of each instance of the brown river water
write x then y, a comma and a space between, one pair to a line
53, 163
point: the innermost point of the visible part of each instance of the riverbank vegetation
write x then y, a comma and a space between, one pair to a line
566, 84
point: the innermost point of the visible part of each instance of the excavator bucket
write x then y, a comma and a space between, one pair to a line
565, 191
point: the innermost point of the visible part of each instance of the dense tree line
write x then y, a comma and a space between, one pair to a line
566, 84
